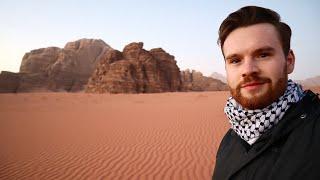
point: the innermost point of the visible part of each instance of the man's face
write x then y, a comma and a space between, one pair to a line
257, 69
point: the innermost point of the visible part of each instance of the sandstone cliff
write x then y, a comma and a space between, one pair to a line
60, 69
195, 81
135, 70
9, 82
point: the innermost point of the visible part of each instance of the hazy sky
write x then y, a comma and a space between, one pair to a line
186, 29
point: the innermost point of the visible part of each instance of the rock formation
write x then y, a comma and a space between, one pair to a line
195, 81
310, 82
60, 69
218, 76
9, 82
135, 70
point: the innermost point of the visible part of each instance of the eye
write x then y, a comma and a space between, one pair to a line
234, 61
264, 55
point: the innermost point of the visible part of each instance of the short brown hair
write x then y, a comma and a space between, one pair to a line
251, 15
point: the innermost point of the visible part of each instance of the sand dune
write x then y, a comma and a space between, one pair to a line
119, 136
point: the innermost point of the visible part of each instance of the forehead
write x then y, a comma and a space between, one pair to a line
247, 39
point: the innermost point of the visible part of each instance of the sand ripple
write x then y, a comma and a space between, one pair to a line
91, 136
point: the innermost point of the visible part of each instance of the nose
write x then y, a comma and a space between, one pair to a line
250, 67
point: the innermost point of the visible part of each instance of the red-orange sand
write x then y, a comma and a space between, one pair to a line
102, 136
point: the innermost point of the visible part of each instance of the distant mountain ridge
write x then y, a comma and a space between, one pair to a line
219, 76
196, 81
310, 82
94, 64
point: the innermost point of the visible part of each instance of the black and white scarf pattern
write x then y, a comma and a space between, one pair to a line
250, 124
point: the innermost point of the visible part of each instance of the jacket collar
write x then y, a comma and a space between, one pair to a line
295, 115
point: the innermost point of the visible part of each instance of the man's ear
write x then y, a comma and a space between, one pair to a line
290, 62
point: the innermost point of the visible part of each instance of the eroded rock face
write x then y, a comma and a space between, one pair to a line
195, 81
56, 69
135, 70
9, 82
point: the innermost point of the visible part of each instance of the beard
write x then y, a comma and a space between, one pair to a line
260, 100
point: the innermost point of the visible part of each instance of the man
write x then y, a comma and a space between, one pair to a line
275, 125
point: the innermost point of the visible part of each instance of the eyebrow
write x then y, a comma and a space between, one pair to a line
264, 49
231, 56
257, 51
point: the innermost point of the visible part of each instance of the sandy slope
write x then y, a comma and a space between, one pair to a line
122, 136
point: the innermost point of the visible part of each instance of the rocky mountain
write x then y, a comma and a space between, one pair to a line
310, 82
9, 82
57, 69
195, 81
135, 70
218, 76
93, 66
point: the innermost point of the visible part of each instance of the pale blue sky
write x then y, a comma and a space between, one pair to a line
186, 29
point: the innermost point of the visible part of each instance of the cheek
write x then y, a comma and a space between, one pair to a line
232, 79
276, 71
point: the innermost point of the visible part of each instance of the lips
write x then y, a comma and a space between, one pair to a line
252, 84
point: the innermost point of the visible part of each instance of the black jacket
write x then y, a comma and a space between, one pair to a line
290, 150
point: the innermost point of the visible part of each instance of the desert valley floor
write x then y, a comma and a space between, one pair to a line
110, 136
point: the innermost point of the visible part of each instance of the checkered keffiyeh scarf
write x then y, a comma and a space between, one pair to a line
250, 124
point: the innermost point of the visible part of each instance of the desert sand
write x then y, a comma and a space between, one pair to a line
110, 136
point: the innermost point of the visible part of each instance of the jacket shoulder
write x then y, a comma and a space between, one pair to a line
225, 143
313, 105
